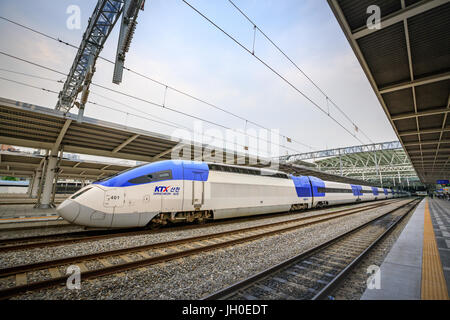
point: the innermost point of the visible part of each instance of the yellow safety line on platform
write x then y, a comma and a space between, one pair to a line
434, 286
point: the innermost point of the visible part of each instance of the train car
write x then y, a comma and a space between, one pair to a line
185, 191
367, 194
385, 193
335, 193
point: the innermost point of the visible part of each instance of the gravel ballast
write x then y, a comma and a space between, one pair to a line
196, 276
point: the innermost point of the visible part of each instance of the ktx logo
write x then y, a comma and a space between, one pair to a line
162, 189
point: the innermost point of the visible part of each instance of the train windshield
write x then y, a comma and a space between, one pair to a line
118, 173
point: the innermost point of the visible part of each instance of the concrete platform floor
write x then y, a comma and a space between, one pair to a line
24, 210
407, 269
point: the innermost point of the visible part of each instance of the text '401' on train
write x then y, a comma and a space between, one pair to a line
186, 191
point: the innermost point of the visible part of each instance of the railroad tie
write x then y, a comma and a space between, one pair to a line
126, 259
105, 262
144, 255
21, 279
189, 246
54, 272
209, 241
82, 267
163, 253
175, 249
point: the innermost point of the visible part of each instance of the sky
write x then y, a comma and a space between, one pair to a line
176, 46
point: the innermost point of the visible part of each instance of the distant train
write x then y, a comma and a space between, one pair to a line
185, 191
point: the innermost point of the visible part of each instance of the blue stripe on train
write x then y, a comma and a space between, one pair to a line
302, 186
357, 190
308, 186
375, 191
181, 170
317, 183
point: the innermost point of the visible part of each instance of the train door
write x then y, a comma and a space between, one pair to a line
303, 189
198, 188
357, 192
194, 175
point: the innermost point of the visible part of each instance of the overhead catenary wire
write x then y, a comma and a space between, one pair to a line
130, 96
256, 27
149, 102
270, 68
118, 110
162, 84
55, 92
96, 103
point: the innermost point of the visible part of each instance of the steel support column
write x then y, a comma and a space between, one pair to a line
46, 195
35, 184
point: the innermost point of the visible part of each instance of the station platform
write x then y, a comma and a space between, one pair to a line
25, 215
418, 265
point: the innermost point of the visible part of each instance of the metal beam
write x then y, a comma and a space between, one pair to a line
101, 23
429, 151
409, 144
415, 83
424, 113
162, 154
123, 144
343, 151
400, 15
425, 131
61, 135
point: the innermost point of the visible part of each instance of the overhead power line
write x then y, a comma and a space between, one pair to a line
133, 97
288, 139
270, 68
256, 27
117, 110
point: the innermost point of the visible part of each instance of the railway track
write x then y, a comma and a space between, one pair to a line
26, 243
140, 256
316, 272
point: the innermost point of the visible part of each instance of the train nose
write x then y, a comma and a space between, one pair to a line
69, 210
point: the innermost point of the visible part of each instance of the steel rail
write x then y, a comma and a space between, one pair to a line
322, 294
230, 290
118, 233
12, 291
56, 262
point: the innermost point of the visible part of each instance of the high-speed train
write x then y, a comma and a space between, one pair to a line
185, 191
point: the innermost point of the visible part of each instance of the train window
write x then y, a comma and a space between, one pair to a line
118, 173
164, 175
249, 171
152, 177
76, 195
333, 190
142, 179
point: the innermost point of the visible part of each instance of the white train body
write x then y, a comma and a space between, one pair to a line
185, 191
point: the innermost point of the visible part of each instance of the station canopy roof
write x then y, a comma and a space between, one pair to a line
28, 125
407, 62
17, 164
380, 164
